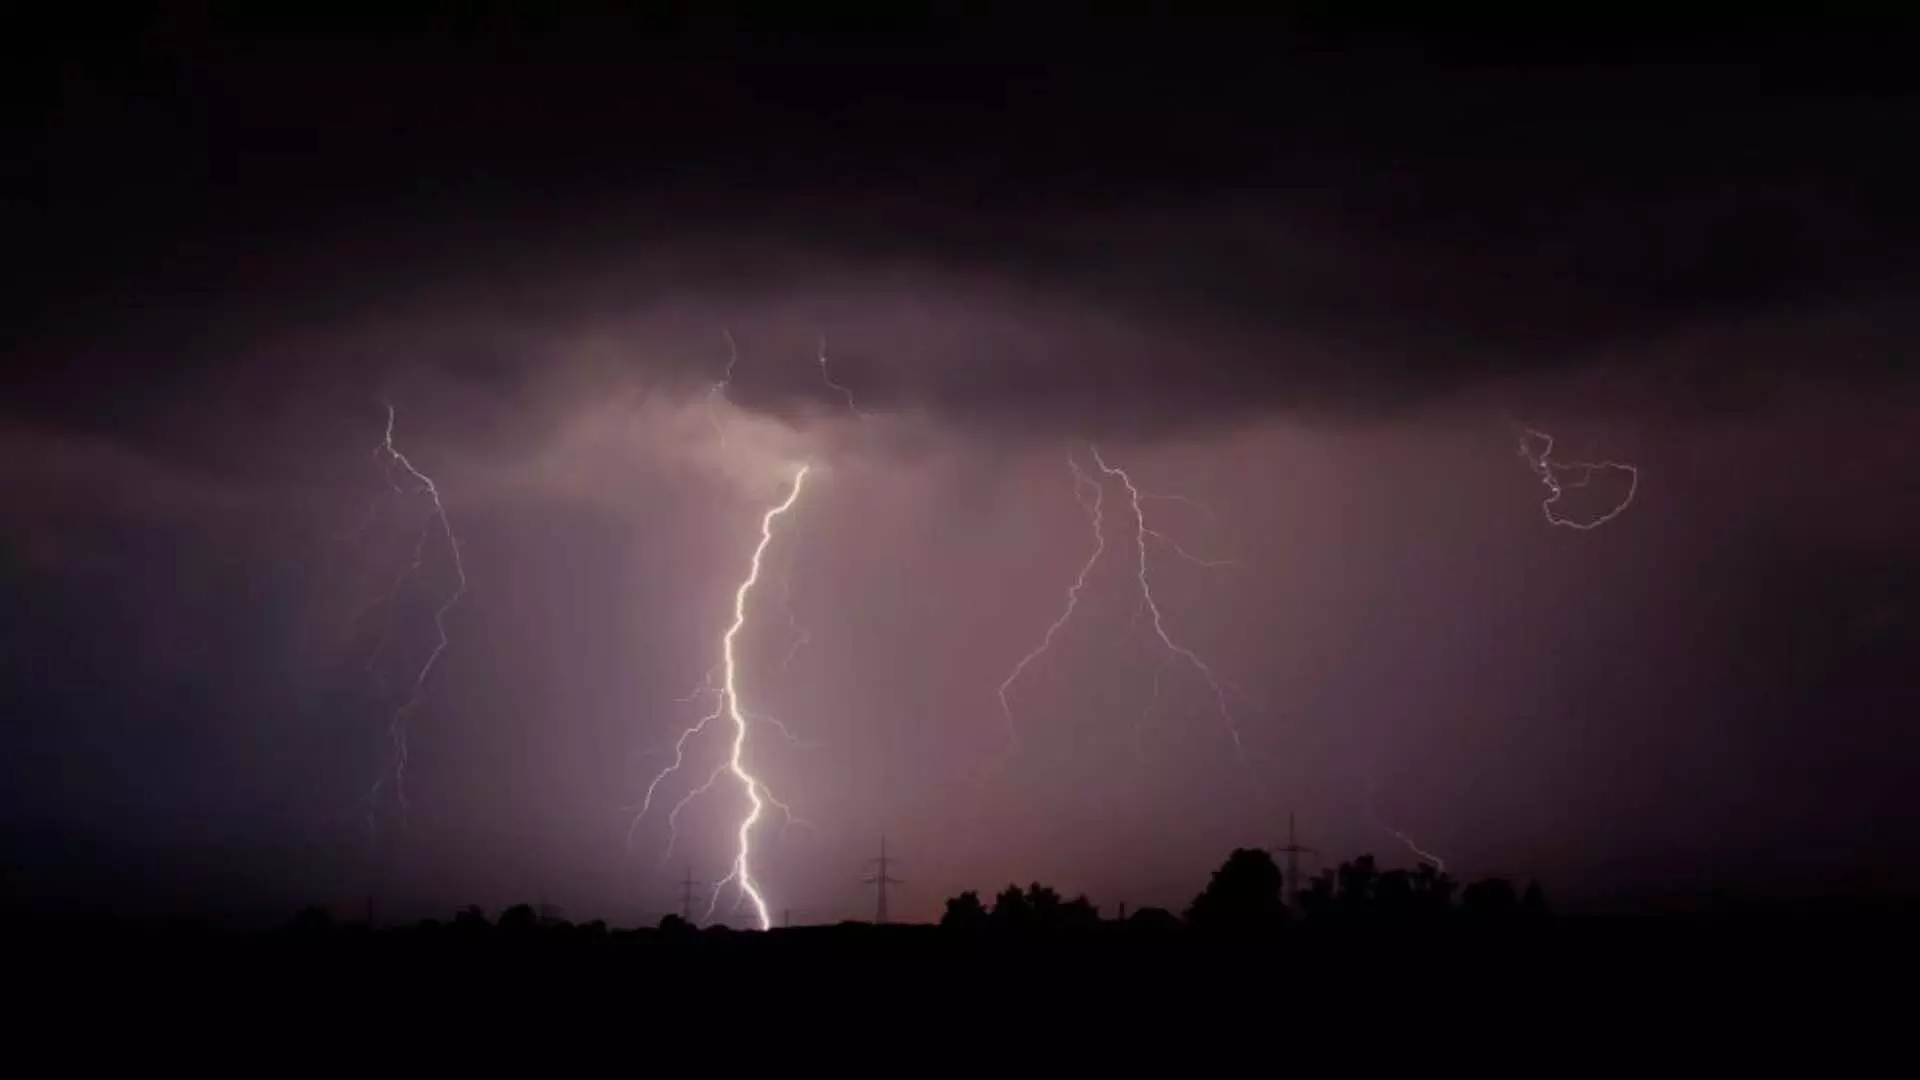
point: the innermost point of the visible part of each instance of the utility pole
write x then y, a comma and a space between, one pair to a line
1293, 851
880, 881
687, 885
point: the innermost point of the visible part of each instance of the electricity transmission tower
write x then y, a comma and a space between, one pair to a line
1293, 851
687, 885
879, 880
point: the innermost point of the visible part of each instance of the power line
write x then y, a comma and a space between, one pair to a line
1293, 851
879, 880
687, 885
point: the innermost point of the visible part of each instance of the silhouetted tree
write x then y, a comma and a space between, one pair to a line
964, 912
1357, 880
1011, 910
1533, 902
1392, 896
675, 926
519, 919
1317, 900
1153, 920
1038, 908
1492, 900
471, 919
1079, 913
1433, 891
1243, 895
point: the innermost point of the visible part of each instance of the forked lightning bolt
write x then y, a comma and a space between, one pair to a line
1089, 492
1142, 531
1551, 473
727, 704
1082, 484
398, 724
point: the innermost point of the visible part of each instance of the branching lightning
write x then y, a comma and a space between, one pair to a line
727, 705
400, 721
1090, 492
722, 681
1082, 483
1142, 531
1562, 476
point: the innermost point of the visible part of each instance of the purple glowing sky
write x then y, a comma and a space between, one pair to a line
1657, 702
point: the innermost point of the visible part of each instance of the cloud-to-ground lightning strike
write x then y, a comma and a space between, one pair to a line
1552, 472
1082, 483
727, 704
398, 724
725, 693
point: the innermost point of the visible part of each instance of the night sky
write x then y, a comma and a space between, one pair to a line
1316, 284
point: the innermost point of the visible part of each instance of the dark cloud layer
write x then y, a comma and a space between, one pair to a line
1317, 223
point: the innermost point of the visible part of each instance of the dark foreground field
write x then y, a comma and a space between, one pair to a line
1744, 990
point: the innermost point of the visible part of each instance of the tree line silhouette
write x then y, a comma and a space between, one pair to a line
1246, 897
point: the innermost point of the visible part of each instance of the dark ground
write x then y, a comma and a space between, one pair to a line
1744, 990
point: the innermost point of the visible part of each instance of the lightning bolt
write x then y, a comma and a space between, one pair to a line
826, 376
718, 391
1424, 855
727, 706
725, 693
1142, 533
1090, 493
1082, 483
1439, 863
801, 635
1551, 473
397, 726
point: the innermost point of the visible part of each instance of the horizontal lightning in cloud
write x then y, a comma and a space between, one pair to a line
1560, 477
